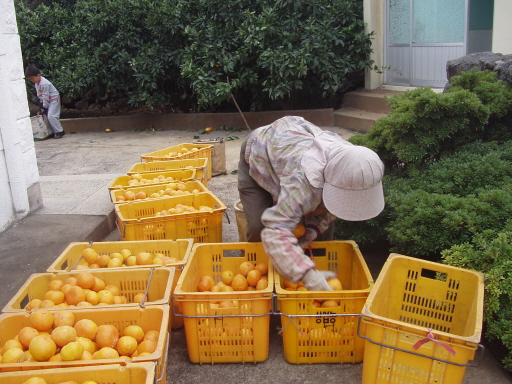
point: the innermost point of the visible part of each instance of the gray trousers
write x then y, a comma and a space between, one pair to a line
54, 115
256, 199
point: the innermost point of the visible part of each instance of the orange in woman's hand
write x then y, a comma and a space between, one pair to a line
299, 231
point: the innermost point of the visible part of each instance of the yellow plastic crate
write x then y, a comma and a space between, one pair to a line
72, 255
203, 151
200, 165
121, 182
180, 249
191, 185
137, 220
131, 373
326, 335
157, 281
155, 317
410, 297
224, 335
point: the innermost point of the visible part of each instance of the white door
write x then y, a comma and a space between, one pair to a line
422, 35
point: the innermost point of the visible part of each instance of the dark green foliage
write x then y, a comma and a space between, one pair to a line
491, 254
184, 51
424, 125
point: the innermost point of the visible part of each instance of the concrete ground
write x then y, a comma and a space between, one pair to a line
74, 174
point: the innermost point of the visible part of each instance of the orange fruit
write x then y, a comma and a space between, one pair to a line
329, 304
262, 284
316, 304
151, 335
140, 195
105, 297
253, 277
66, 288
33, 304
89, 255
107, 336
81, 266
131, 261
55, 285
86, 280
103, 261
98, 284
289, 284
126, 345
239, 283
138, 297
118, 300
86, 356
129, 195
63, 335
262, 267
227, 288
14, 355
41, 320
114, 289
71, 280
144, 258
55, 357
134, 331
56, 296
71, 351
63, 317
335, 284
94, 266
9, 344
92, 297
246, 267
84, 304
75, 295
87, 344
126, 253
106, 353
42, 347
204, 285
227, 277
35, 380
115, 263
226, 304
25, 335
147, 346
86, 328
299, 231
46, 304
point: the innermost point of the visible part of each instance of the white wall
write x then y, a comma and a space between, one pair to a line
502, 33
19, 177
374, 22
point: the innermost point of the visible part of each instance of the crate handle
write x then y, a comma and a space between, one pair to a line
480, 347
141, 304
165, 360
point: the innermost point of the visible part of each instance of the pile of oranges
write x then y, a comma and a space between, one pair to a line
180, 208
250, 277
84, 290
182, 151
56, 336
334, 283
40, 380
123, 258
171, 189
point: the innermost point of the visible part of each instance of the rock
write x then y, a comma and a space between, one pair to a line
494, 62
81, 105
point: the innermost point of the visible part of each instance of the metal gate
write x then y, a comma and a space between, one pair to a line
422, 35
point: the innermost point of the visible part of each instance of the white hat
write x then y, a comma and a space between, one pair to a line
350, 176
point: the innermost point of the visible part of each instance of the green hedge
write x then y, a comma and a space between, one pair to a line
275, 54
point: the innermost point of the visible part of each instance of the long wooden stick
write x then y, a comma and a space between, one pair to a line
239, 110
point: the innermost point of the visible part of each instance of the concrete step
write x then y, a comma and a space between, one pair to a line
369, 100
356, 119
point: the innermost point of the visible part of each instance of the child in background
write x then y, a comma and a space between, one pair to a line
49, 98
